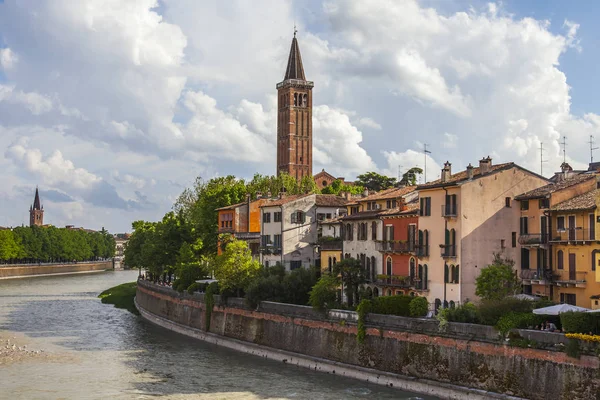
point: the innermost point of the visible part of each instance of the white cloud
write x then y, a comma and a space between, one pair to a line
8, 59
450, 140
367, 122
403, 161
36, 103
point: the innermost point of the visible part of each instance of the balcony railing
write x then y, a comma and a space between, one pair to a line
295, 82
448, 251
247, 235
573, 235
533, 239
396, 247
449, 210
270, 250
422, 250
331, 245
538, 276
569, 278
401, 282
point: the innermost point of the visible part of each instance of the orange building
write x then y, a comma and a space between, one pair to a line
242, 220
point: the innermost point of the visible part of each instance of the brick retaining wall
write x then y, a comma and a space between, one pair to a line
30, 270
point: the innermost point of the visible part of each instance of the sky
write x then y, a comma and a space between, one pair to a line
113, 108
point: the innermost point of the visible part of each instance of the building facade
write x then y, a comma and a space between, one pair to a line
330, 243
294, 119
242, 221
290, 228
470, 216
36, 211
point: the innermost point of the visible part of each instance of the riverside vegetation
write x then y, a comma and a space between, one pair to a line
121, 296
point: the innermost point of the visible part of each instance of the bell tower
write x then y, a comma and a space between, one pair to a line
294, 118
36, 211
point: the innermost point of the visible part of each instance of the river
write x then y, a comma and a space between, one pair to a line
75, 347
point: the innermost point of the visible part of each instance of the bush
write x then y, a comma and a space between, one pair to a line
275, 284
364, 307
392, 305
194, 287
324, 294
418, 307
467, 313
573, 348
490, 311
514, 320
580, 322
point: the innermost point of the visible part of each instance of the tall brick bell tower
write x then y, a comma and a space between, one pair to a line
294, 118
36, 211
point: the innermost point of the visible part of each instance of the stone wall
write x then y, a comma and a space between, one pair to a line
466, 355
12, 271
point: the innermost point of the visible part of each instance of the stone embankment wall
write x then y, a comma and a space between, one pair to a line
466, 355
13, 271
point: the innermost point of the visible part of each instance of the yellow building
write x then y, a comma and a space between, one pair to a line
330, 243
535, 246
576, 250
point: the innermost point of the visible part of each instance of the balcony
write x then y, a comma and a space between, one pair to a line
247, 235
396, 247
270, 249
331, 245
535, 277
573, 235
397, 281
533, 239
566, 278
448, 251
422, 250
449, 210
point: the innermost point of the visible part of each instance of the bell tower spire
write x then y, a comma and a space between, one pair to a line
36, 211
294, 118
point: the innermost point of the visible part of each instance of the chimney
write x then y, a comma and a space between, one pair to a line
446, 171
469, 171
259, 195
485, 165
268, 195
366, 193
281, 195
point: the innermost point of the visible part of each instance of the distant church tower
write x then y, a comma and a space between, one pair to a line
36, 211
294, 118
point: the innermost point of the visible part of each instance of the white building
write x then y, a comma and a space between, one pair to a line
289, 229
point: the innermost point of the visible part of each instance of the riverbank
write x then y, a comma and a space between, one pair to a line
26, 271
409, 349
121, 296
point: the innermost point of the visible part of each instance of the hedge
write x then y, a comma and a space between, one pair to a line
580, 322
392, 305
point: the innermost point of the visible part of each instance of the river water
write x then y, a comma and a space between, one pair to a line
75, 347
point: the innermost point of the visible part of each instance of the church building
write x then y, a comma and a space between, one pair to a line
36, 211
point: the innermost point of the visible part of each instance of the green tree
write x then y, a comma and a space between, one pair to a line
10, 246
375, 182
338, 187
308, 185
409, 178
234, 268
352, 276
324, 294
498, 280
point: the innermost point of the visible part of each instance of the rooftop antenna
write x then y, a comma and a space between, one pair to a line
425, 152
399, 173
542, 161
564, 146
295, 30
592, 148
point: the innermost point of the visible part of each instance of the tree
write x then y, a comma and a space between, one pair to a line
324, 294
498, 280
234, 268
352, 275
10, 246
409, 178
338, 187
375, 182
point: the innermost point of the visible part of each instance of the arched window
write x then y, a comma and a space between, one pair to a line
389, 292
420, 282
373, 266
452, 304
330, 263
375, 292
421, 238
349, 231
412, 268
446, 273
425, 276
560, 261
304, 100
296, 99
437, 304
388, 266
368, 267
456, 274
452, 237
334, 260
374, 230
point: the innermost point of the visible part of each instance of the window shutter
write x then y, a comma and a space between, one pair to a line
428, 205
293, 217
446, 273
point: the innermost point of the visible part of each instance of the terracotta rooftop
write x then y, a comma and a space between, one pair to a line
335, 220
391, 193
283, 200
371, 214
330, 200
231, 207
461, 176
545, 191
586, 201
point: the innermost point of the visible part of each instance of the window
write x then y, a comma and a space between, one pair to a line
373, 230
328, 215
266, 264
362, 231
371, 205
544, 203
507, 201
349, 232
592, 227
425, 206
373, 267
568, 298
298, 217
277, 216
266, 217
514, 239
524, 226
388, 232
560, 223
265, 240
388, 266
321, 217
502, 244
391, 203
277, 241
446, 273
524, 204
295, 265
455, 274
425, 277
560, 259
412, 269
353, 210
524, 258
